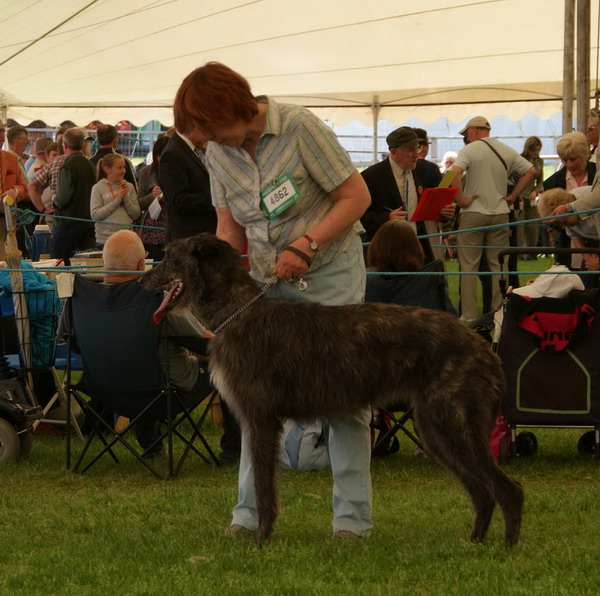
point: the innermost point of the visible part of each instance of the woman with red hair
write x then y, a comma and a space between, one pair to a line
281, 182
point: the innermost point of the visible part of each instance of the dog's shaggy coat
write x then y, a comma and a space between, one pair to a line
304, 361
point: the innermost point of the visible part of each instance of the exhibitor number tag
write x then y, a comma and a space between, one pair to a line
279, 196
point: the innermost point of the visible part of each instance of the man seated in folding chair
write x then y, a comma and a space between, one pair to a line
124, 349
396, 248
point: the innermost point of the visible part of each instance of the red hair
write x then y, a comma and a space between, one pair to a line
213, 95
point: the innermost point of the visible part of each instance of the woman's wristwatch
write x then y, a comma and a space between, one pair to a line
312, 243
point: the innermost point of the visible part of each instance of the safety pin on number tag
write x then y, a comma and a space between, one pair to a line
302, 285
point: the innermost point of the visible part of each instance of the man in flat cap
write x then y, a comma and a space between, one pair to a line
483, 200
396, 184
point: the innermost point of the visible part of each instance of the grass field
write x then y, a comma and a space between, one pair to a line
117, 530
540, 264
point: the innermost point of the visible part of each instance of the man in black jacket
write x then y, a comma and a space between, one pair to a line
73, 190
185, 184
396, 185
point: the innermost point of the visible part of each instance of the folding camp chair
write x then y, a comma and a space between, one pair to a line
111, 327
427, 291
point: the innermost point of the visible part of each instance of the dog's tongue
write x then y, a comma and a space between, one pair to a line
168, 302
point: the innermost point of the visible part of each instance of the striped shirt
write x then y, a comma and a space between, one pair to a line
48, 175
296, 142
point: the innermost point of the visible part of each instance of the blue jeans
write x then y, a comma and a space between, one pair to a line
339, 282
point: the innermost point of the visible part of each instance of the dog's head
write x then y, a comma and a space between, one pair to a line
196, 271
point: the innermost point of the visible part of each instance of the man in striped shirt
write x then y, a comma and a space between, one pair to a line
47, 177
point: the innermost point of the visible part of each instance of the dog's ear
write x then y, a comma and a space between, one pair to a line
204, 251
208, 246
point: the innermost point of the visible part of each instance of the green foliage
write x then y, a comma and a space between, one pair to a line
117, 530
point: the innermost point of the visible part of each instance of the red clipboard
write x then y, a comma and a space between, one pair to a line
432, 201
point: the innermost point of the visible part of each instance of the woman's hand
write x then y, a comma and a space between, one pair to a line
156, 191
290, 266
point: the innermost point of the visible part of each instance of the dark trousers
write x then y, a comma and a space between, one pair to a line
71, 238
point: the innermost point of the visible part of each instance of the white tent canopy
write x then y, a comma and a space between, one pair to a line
124, 59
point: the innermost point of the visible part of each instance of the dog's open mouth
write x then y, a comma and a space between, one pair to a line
168, 302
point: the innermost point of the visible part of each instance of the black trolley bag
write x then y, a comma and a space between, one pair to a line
549, 351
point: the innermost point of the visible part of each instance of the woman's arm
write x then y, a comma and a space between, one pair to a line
351, 199
230, 230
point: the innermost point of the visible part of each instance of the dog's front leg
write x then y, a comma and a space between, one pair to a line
264, 449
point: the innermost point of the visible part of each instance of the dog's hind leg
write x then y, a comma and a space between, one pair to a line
510, 497
478, 488
483, 504
464, 452
264, 449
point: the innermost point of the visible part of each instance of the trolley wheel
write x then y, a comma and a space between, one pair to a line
526, 444
25, 439
9, 441
587, 443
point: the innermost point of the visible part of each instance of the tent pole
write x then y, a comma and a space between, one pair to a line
568, 66
375, 108
583, 63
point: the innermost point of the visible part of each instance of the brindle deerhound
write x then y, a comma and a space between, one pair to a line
279, 359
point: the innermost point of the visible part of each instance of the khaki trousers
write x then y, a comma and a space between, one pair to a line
469, 258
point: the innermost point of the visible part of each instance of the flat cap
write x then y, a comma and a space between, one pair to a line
405, 136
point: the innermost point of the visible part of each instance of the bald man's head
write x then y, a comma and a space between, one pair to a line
123, 251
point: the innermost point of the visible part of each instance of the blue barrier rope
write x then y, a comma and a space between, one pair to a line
489, 246
98, 268
31, 215
112, 223
26, 214
71, 269
502, 273
508, 224
437, 234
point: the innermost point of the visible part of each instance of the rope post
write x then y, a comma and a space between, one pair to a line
583, 63
568, 66
375, 108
